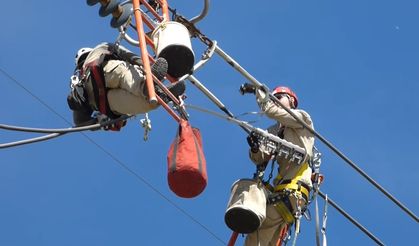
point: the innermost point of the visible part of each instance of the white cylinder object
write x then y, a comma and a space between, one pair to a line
172, 42
246, 209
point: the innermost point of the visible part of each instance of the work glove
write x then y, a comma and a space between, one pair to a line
253, 141
262, 96
247, 88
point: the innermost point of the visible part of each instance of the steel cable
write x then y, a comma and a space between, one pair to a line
352, 220
53, 132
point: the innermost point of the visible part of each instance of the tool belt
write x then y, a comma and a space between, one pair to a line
280, 198
298, 186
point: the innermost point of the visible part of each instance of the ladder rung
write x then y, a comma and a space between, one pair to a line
148, 6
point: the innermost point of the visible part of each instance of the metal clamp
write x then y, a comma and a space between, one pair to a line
146, 124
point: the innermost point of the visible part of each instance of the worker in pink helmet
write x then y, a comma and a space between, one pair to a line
289, 192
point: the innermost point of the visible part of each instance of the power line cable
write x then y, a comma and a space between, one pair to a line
150, 186
92, 127
53, 132
30, 140
121, 164
259, 85
33, 95
347, 160
351, 219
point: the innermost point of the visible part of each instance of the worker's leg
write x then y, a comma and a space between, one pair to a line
268, 233
123, 102
120, 74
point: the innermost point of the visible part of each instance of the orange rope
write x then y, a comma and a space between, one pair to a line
282, 235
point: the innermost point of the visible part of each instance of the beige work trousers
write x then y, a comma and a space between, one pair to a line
126, 87
269, 232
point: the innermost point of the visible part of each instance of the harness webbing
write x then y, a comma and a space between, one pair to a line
99, 89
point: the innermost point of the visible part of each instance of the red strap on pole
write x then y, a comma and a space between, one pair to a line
233, 238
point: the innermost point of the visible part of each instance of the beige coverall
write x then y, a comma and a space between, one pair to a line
125, 83
268, 233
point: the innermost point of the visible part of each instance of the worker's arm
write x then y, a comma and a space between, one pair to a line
126, 55
277, 113
257, 153
260, 157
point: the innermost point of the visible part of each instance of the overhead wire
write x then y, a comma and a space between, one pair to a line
347, 160
325, 141
59, 132
92, 127
30, 140
62, 131
259, 85
53, 132
120, 163
351, 219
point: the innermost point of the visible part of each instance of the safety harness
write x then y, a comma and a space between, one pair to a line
286, 189
94, 71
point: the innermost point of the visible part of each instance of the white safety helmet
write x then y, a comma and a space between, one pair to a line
83, 52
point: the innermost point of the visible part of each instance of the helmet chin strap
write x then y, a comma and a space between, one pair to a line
292, 102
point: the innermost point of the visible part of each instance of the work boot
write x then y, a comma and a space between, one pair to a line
177, 89
159, 68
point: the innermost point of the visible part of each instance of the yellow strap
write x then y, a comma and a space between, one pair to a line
284, 212
300, 171
293, 185
297, 176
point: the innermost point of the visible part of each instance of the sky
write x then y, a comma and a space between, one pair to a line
353, 64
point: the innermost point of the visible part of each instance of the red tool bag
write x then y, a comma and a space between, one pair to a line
187, 171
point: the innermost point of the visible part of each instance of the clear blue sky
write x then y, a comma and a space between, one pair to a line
354, 65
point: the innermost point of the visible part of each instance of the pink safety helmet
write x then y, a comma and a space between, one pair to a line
288, 91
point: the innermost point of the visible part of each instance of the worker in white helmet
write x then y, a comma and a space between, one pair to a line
109, 79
